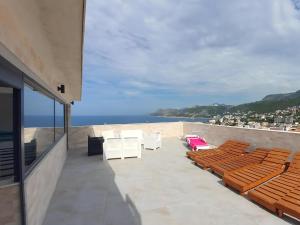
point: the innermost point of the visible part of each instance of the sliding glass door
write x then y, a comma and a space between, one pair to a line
7, 158
11, 188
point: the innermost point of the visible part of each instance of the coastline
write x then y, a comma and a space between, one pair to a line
184, 117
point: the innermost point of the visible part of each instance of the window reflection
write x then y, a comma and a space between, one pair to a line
38, 123
59, 120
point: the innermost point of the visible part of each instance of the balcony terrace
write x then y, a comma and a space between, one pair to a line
163, 187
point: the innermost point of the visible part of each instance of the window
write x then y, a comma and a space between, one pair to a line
59, 120
43, 123
6, 136
38, 123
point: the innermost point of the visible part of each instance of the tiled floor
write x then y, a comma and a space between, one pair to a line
162, 188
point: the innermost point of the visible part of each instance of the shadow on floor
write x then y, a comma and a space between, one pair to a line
87, 194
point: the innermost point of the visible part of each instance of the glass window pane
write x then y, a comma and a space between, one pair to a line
59, 120
6, 136
38, 123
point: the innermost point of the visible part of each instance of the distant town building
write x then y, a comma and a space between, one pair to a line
285, 120
289, 120
279, 119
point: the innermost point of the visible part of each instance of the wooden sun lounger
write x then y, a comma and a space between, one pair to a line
249, 177
193, 154
233, 152
253, 157
275, 191
222, 148
290, 204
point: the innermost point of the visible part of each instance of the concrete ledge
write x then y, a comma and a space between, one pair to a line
78, 135
216, 135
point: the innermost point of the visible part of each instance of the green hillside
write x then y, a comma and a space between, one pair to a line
266, 106
196, 111
270, 103
278, 97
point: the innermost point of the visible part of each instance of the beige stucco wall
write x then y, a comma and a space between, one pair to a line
78, 135
43, 38
216, 135
41, 183
10, 205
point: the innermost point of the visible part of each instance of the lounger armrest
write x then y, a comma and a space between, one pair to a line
287, 165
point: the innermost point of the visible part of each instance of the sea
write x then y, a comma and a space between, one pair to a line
47, 121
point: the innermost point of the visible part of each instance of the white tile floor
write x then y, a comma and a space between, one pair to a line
162, 188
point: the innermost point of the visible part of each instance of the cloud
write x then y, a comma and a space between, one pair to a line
131, 92
297, 4
190, 47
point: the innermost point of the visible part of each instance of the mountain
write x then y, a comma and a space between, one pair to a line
196, 111
270, 103
277, 97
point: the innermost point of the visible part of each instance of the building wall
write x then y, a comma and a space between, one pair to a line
217, 135
78, 135
40, 39
41, 183
10, 205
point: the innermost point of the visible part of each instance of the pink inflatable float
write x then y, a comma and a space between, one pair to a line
197, 143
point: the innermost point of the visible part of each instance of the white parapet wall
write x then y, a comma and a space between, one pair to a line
214, 134
217, 135
78, 135
41, 183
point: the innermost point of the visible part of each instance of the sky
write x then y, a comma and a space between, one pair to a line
141, 55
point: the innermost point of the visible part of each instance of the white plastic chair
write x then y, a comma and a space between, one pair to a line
132, 143
132, 147
133, 133
113, 148
152, 141
109, 134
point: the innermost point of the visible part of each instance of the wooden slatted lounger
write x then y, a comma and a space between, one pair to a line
290, 204
249, 177
193, 154
254, 157
270, 193
222, 148
236, 150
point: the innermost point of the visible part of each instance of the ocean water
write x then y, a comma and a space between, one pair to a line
41, 121
47, 121
101, 120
